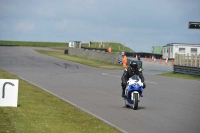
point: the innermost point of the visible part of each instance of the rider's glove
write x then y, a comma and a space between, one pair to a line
144, 85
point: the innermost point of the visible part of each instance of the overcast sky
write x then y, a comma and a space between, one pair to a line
139, 24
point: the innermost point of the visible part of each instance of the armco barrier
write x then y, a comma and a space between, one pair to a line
94, 54
186, 70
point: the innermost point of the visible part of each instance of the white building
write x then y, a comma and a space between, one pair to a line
75, 44
169, 50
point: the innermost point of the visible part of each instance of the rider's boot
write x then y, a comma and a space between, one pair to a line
144, 85
123, 93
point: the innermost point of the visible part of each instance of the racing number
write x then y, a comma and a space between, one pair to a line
3, 89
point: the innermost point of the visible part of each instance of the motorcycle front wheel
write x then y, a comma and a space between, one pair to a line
135, 101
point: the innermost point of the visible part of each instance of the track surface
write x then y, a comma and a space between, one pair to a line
169, 104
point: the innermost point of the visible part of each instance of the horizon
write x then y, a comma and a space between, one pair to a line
138, 25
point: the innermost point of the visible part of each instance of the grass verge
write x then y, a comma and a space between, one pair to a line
85, 61
39, 111
104, 65
116, 47
177, 75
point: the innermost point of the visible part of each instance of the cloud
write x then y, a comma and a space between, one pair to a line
24, 26
46, 11
136, 23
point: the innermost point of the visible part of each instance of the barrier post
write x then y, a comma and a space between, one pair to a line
172, 62
154, 60
160, 61
166, 61
150, 59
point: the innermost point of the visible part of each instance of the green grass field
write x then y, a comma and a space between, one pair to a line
85, 61
41, 112
116, 47
177, 75
33, 44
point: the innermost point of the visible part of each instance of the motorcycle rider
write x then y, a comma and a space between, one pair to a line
129, 72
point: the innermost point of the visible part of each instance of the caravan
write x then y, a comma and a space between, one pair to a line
171, 49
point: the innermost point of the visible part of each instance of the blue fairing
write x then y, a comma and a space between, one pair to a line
132, 88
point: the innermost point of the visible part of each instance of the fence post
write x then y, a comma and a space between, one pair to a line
187, 58
191, 60
195, 59
176, 59
184, 60
199, 60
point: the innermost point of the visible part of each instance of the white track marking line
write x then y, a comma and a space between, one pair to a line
151, 82
107, 74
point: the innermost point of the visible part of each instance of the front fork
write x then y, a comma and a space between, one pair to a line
132, 95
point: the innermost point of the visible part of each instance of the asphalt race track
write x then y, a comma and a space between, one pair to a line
169, 105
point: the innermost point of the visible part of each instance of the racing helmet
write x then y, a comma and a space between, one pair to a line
133, 66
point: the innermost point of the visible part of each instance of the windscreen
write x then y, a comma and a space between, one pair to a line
135, 77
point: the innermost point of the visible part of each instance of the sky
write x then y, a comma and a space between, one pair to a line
137, 24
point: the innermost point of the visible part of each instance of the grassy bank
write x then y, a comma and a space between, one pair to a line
39, 112
183, 76
55, 45
116, 47
104, 65
33, 44
85, 61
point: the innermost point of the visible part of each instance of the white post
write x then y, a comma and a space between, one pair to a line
175, 59
195, 59
192, 59
199, 60
180, 59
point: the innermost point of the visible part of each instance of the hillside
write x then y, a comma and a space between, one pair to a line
116, 47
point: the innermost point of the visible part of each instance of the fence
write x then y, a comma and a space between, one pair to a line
186, 60
186, 64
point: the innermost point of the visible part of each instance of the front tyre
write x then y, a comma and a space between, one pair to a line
135, 101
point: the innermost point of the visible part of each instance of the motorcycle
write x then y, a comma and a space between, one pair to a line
133, 91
